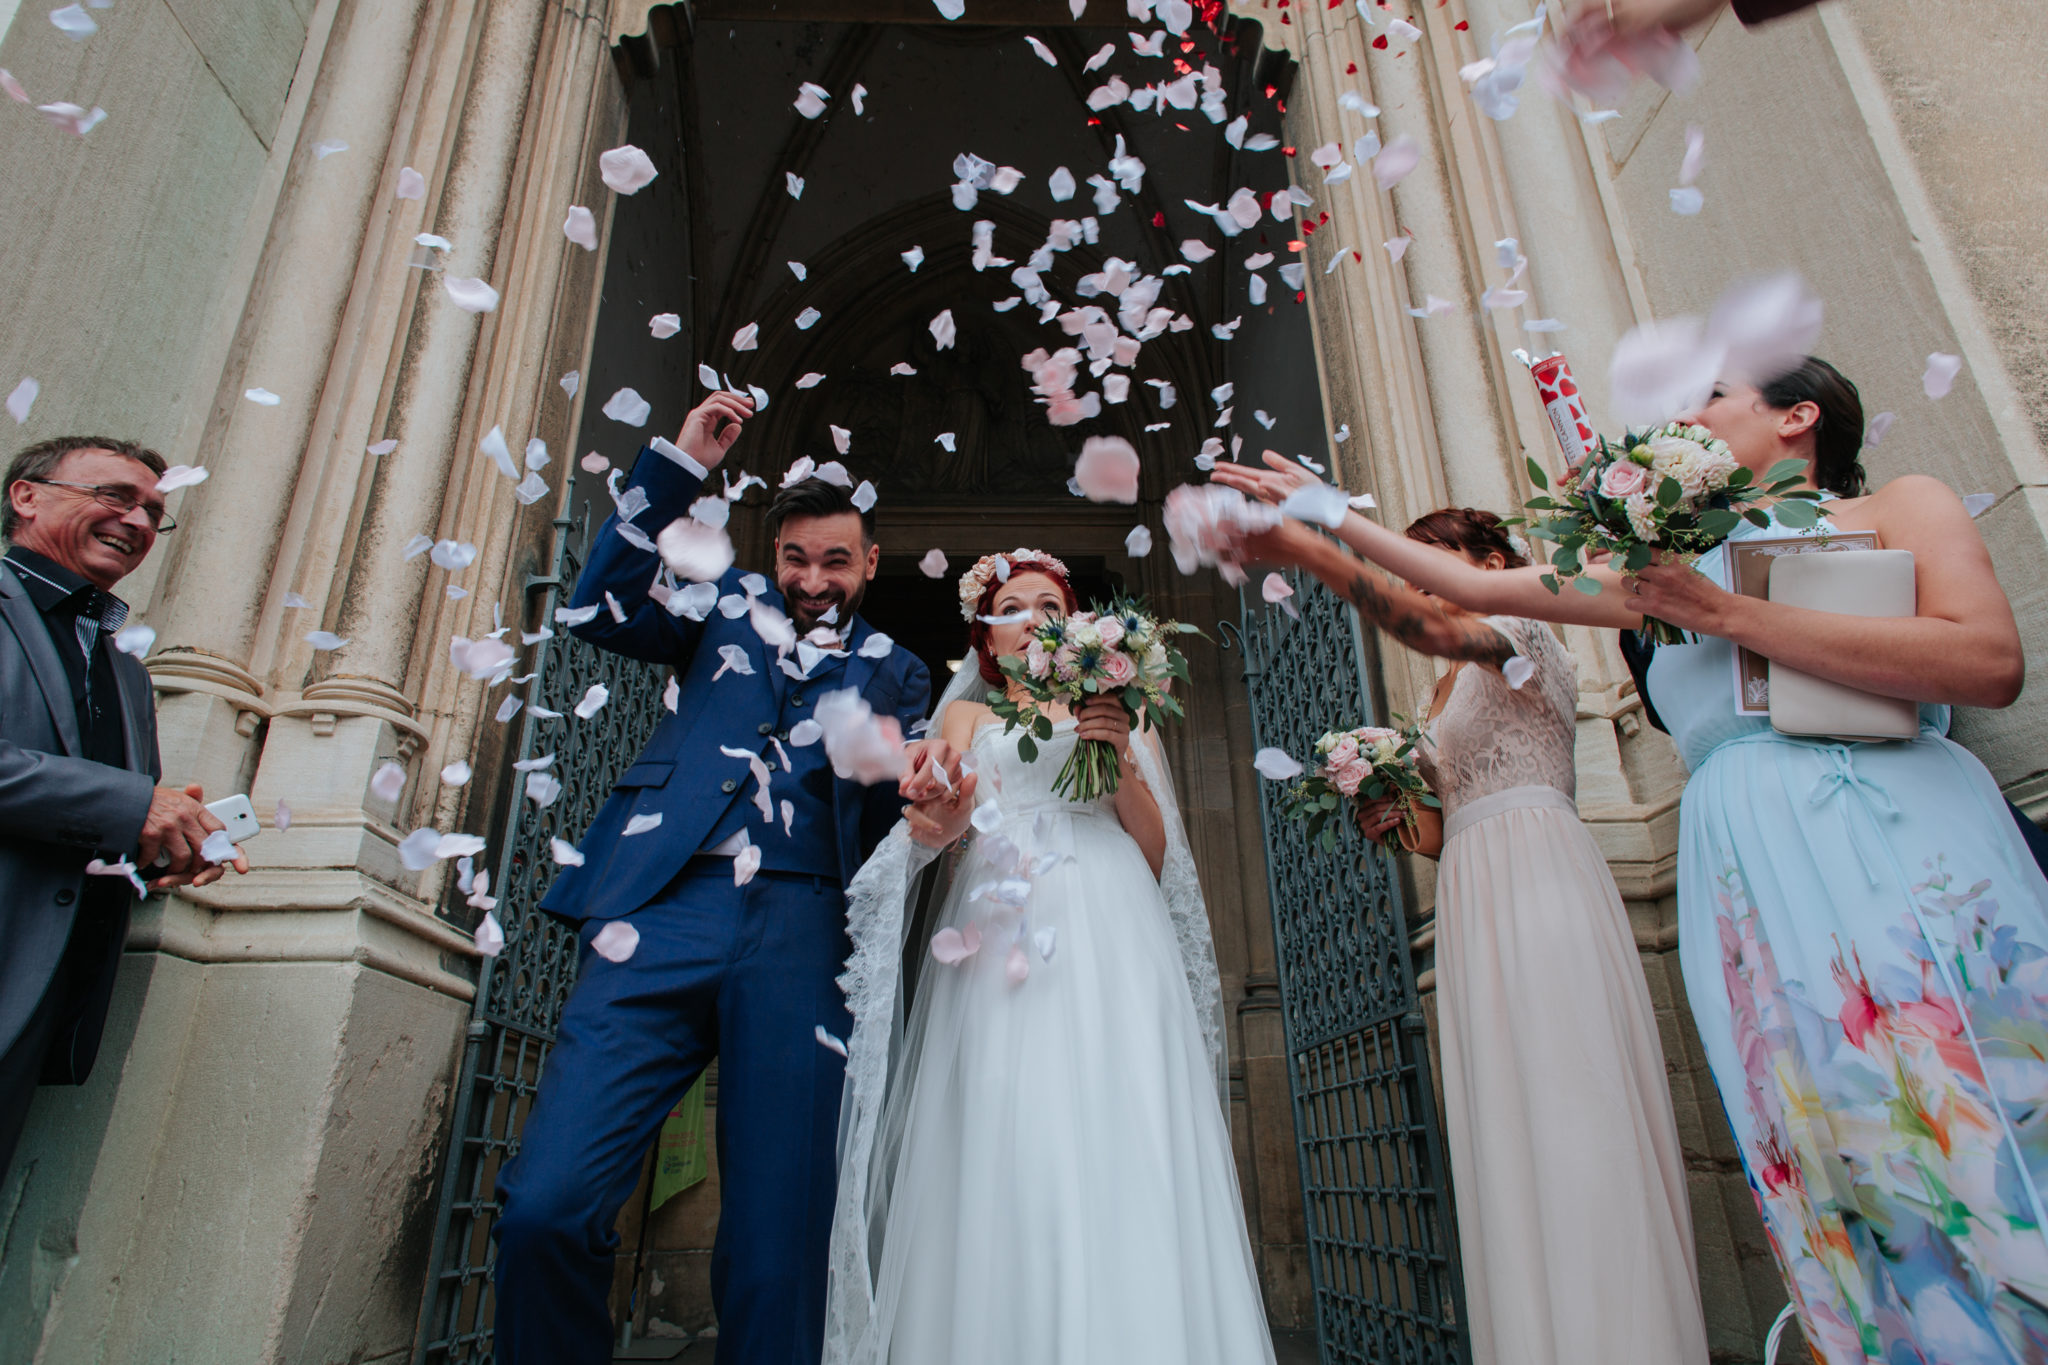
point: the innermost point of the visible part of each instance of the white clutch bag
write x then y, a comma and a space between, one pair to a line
1850, 583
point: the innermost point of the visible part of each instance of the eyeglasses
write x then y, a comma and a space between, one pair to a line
119, 498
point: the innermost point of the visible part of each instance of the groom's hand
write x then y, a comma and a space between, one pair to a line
940, 819
940, 791
712, 426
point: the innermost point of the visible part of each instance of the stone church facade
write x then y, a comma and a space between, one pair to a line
299, 1082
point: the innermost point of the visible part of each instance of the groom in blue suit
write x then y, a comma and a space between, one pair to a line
741, 972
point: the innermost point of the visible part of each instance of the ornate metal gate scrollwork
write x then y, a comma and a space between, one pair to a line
520, 992
1375, 1185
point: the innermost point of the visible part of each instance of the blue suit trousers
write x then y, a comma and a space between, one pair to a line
745, 974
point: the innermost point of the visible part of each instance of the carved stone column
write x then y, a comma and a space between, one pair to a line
282, 1046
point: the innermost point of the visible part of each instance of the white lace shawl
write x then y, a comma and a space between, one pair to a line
879, 901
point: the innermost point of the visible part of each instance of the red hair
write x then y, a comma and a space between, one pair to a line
979, 631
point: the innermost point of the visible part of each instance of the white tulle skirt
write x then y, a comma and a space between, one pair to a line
1060, 1184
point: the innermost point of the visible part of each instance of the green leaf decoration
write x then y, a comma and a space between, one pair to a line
1785, 469
1027, 749
1757, 517
1042, 727
1669, 492
1637, 559
1719, 521
1536, 474
1587, 585
1798, 515
1549, 581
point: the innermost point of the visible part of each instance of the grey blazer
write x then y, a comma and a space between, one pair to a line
56, 811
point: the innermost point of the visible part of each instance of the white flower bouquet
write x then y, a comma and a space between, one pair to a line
1116, 650
1674, 490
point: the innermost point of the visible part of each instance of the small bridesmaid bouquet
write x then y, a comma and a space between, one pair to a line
1115, 650
1357, 766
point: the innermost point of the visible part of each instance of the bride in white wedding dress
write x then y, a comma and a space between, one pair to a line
1036, 1166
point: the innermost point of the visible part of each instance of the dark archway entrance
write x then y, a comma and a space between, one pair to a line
713, 240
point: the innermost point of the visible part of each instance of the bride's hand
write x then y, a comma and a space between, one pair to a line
1280, 477
1104, 718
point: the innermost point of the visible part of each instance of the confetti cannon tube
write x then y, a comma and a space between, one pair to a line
1565, 406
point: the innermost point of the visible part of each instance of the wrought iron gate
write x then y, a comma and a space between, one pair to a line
1374, 1179
520, 993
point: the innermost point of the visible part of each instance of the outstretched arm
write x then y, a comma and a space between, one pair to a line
1435, 570
671, 476
1416, 619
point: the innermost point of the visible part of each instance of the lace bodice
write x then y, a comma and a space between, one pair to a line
1490, 736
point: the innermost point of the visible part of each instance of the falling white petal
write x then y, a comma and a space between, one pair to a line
411, 184
581, 227
1687, 201
1044, 52
864, 496
1321, 504
493, 445
1138, 543
384, 447
1942, 370
826, 1040
388, 782
1517, 670
628, 407
73, 22
1107, 470
617, 940
1276, 765
933, 565
180, 476
22, 399
1393, 165
810, 99
455, 774
565, 853
695, 551
571, 382
262, 398
794, 183
135, 639
470, 295
1880, 425
805, 321
914, 257
626, 170
490, 936
942, 330
747, 338
662, 326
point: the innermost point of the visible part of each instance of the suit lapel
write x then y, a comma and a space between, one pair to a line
34, 634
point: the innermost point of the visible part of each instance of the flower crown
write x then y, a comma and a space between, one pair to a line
975, 581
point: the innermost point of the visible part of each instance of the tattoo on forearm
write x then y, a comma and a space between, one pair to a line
1423, 624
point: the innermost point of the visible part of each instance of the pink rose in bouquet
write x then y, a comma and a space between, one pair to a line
1118, 670
1355, 766
1347, 776
1623, 479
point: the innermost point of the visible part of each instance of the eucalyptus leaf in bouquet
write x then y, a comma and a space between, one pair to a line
1117, 649
1674, 490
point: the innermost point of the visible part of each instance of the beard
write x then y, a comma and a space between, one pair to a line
807, 615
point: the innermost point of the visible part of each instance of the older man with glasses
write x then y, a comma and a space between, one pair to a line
78, 759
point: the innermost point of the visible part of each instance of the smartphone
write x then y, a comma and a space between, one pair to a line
238, 816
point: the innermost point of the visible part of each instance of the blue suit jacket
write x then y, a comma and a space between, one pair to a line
679, 774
